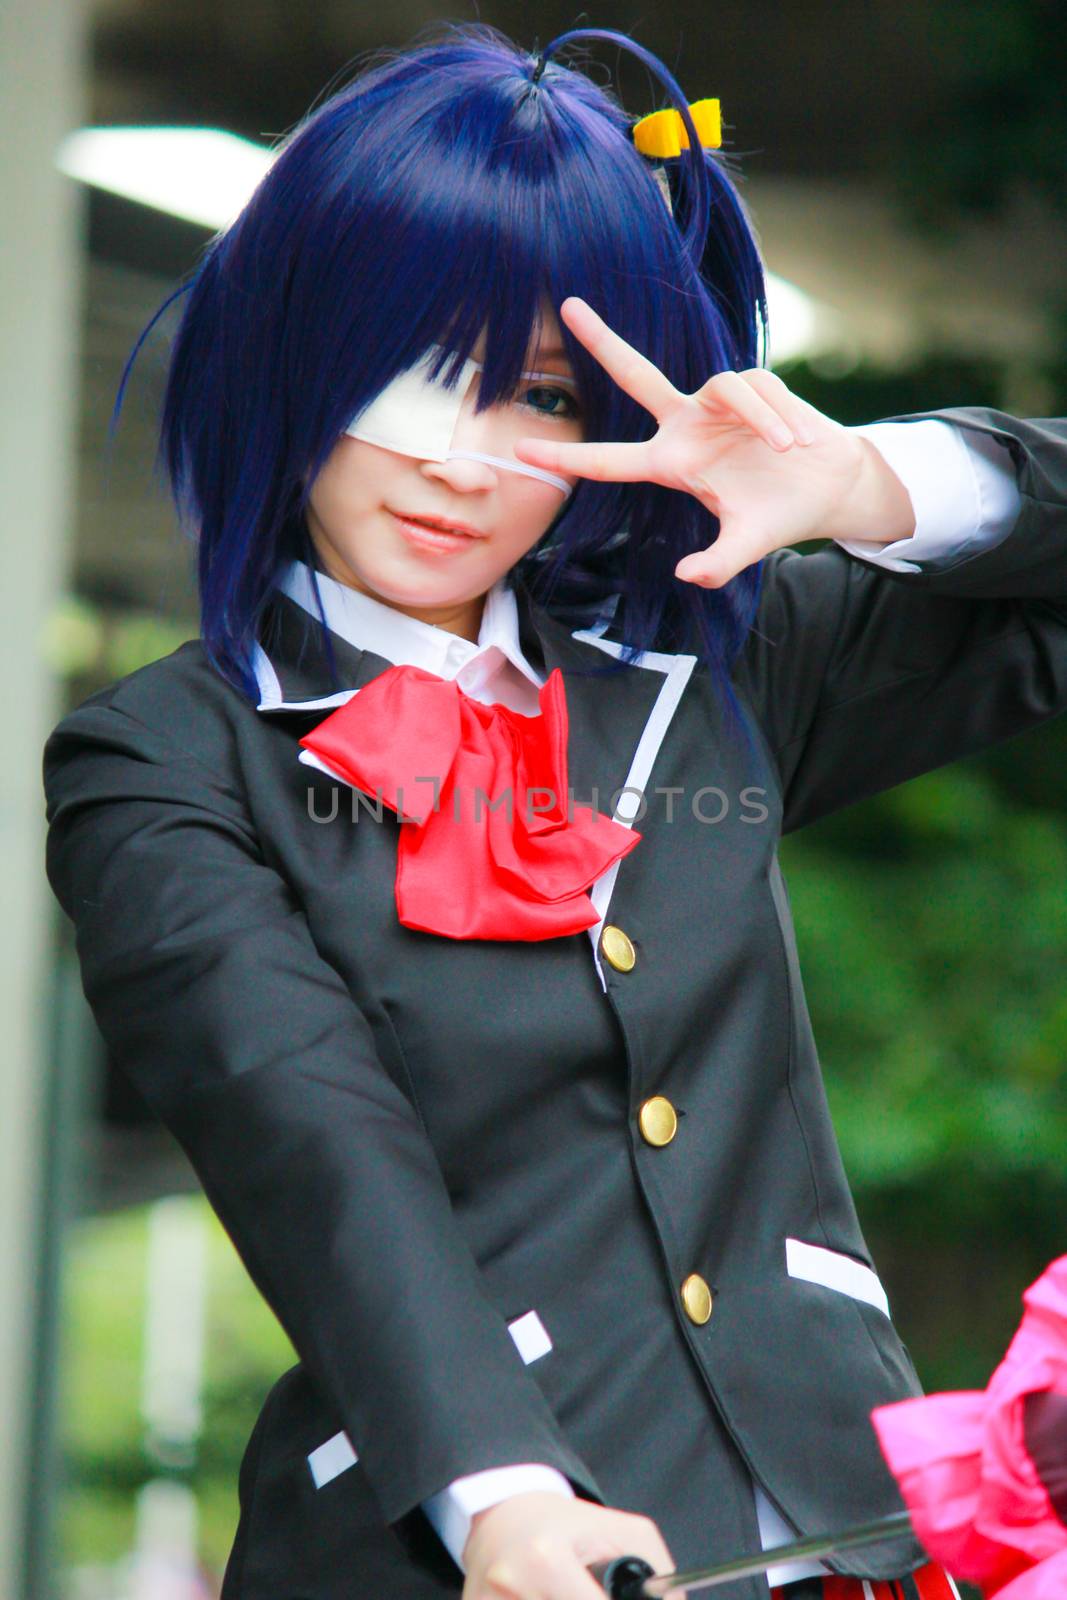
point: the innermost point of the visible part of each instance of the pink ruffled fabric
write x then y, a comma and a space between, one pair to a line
979, 1501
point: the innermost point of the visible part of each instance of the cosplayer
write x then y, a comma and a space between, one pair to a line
431, 896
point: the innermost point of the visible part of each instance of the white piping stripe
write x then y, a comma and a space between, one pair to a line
328, 1460
270, 689
834, 1270
530, 1336
678, 670
325, 704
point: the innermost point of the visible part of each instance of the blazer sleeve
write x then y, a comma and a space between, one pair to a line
204, 979
861, 677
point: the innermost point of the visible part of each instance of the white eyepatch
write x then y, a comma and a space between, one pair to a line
417, 416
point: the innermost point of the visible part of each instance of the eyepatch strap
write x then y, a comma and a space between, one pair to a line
513, 466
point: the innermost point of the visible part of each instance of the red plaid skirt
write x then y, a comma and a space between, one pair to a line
925, 1583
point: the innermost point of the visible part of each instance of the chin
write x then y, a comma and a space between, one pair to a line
404, 586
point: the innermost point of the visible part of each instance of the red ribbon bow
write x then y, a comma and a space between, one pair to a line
984, 1473
493, 847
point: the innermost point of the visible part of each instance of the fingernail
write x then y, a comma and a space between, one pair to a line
781, 436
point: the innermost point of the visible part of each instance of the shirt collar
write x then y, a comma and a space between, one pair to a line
371, 624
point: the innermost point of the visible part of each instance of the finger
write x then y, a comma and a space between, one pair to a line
801, 417
554, 1572
731, 553
729, 391
645, 1539
615, 463
640, 378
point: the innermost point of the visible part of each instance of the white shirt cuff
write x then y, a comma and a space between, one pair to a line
962, 487
452, 1509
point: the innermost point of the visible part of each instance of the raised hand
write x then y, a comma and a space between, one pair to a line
772, 468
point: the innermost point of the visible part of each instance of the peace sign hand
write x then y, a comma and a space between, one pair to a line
732, 446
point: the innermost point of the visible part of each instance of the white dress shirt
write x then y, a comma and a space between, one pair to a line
963, 491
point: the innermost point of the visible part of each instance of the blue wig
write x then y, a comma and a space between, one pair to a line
449, 187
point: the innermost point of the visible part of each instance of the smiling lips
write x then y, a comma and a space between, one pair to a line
435, 536
438, 524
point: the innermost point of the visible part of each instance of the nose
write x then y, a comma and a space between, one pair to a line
466, 477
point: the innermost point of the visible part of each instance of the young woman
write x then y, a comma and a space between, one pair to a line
431, 895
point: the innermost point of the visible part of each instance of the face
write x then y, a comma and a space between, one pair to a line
353, 509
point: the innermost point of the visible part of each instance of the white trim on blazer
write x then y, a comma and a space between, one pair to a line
328, 1460
677, 670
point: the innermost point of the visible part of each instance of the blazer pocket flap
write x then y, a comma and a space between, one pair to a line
815, 1264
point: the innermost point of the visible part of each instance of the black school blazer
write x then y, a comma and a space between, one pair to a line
427, 1150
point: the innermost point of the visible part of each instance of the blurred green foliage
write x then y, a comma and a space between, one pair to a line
104, 1456
932, 927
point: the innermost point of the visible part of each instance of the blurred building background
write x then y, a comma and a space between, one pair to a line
905, 166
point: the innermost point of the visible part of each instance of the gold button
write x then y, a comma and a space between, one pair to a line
696, 1298
657, 1120
617, 947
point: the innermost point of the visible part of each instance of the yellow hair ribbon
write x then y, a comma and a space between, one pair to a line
663, 134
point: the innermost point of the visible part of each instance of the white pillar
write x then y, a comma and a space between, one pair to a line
41, 87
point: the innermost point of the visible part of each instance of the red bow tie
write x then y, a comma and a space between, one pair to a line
494, 847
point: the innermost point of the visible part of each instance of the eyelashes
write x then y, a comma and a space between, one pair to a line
574, 410
559, 384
